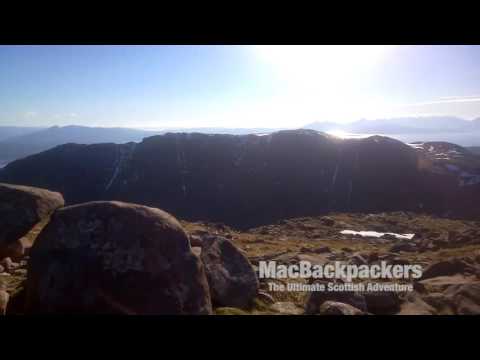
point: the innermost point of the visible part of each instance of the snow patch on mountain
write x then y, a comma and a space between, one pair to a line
377, 234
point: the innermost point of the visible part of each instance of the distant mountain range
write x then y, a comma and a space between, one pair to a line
18, 142
247, 180
411, 129
37, 140
7, 132
402, 125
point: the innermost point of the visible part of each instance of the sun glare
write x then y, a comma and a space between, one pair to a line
321, 66
326, 82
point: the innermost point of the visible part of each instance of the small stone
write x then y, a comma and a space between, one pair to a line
327, 221
19, 272
265, 297
406, 247
4, 296
358, 259
338, 308
382, 303
287, 308
317, 298
195, 240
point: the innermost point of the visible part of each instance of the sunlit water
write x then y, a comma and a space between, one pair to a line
346, 135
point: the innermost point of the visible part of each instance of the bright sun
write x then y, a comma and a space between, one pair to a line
321, 66
325, 82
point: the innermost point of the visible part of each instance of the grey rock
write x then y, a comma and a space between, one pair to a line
114, 257
21, 208
404, 246
265, 297
231, 277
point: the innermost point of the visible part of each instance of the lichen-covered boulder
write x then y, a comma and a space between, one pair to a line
114, 257
231, 277
21, 208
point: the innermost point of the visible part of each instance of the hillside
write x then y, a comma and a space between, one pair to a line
475, 149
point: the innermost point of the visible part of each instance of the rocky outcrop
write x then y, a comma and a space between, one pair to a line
114, 257
231, 277
21, 208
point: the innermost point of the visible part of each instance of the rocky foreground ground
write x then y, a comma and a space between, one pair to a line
212, 268
448, 250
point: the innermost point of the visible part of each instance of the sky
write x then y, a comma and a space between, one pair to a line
234, 86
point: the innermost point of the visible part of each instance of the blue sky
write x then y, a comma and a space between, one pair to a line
233, 86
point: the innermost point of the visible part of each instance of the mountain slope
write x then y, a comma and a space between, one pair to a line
244, 180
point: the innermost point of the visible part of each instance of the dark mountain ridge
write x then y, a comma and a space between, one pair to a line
246, 180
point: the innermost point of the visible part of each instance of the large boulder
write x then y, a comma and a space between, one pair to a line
21, 208
231, 278
114, 257
445, 268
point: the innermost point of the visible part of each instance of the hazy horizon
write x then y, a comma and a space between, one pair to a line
231, 127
